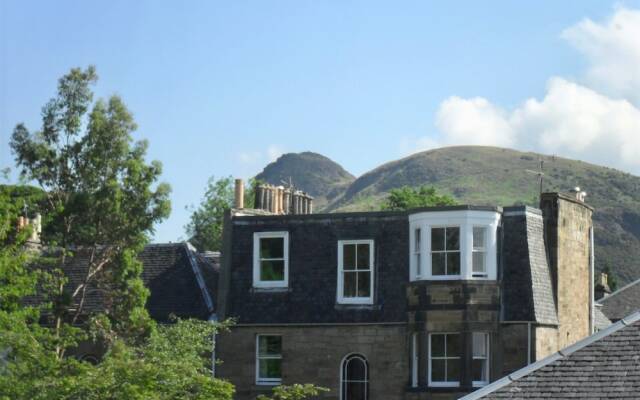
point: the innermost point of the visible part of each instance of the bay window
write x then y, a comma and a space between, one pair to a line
455, 244
479, 264
444, 359
480, 362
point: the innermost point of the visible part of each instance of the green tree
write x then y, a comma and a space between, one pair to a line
294, 392
205, 225
406, 198
101, 197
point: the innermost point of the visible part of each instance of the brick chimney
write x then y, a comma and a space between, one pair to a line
239, 194
602, 287
568, 232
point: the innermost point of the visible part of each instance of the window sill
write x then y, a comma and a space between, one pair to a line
262, 289
269, 383
356, 306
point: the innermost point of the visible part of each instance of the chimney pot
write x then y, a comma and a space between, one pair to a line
239, 194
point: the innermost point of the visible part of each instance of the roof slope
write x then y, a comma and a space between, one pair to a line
622, 302
605, 365
176, 277
527, 290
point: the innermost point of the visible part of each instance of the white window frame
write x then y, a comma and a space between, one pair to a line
445, 252
414, 359
487, 358
259, 283
482, 250
460, 359
267, 381
466, 220
340, 287
416, 250
343, 366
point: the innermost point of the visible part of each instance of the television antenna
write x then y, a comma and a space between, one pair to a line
539, 173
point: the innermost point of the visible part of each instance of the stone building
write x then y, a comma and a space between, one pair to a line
430, 303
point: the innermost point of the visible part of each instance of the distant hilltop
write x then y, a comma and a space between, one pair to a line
481, 175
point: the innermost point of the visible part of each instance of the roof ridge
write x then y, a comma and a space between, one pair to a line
627, 286
561, 354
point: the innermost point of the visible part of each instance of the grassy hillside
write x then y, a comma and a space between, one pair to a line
489, 175
314, 173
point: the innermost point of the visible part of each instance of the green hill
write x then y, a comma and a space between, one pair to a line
490, 175
317, 175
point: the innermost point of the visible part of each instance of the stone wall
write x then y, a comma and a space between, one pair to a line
567, 224
313, 354
546, 341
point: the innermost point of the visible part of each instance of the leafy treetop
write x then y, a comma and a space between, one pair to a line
408, 197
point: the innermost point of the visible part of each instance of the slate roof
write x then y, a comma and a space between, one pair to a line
527, 293
605, 365
181, 282
600, 320
622, 302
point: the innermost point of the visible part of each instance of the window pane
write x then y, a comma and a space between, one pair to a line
437, 239
356, 369
437, 370
437, 345
437, 263
417, 240
478, 237
272, 247
269, 345
478, 261
453, 370
453, 345
271, 368
355, 391
349, 256
453, 238
363, 256
272, 270
364, 284
479, 344
418, 265
349, 284
480, 370
453, 263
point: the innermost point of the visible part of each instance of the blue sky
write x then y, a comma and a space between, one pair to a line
221, 88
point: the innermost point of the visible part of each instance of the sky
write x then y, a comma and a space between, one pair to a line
222, 88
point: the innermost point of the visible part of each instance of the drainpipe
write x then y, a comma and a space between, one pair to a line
213, 319
591, 277
528, 343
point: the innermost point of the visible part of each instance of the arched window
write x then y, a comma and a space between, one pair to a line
354, 378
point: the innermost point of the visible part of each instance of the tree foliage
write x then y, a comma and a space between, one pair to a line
407, 197
205, 225
100, 197
294, 392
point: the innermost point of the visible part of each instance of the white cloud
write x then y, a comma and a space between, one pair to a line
613, 52
571, 120
596, 121
473, 121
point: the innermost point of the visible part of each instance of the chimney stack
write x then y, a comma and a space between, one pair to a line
602, 288
239, 194
282, 200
